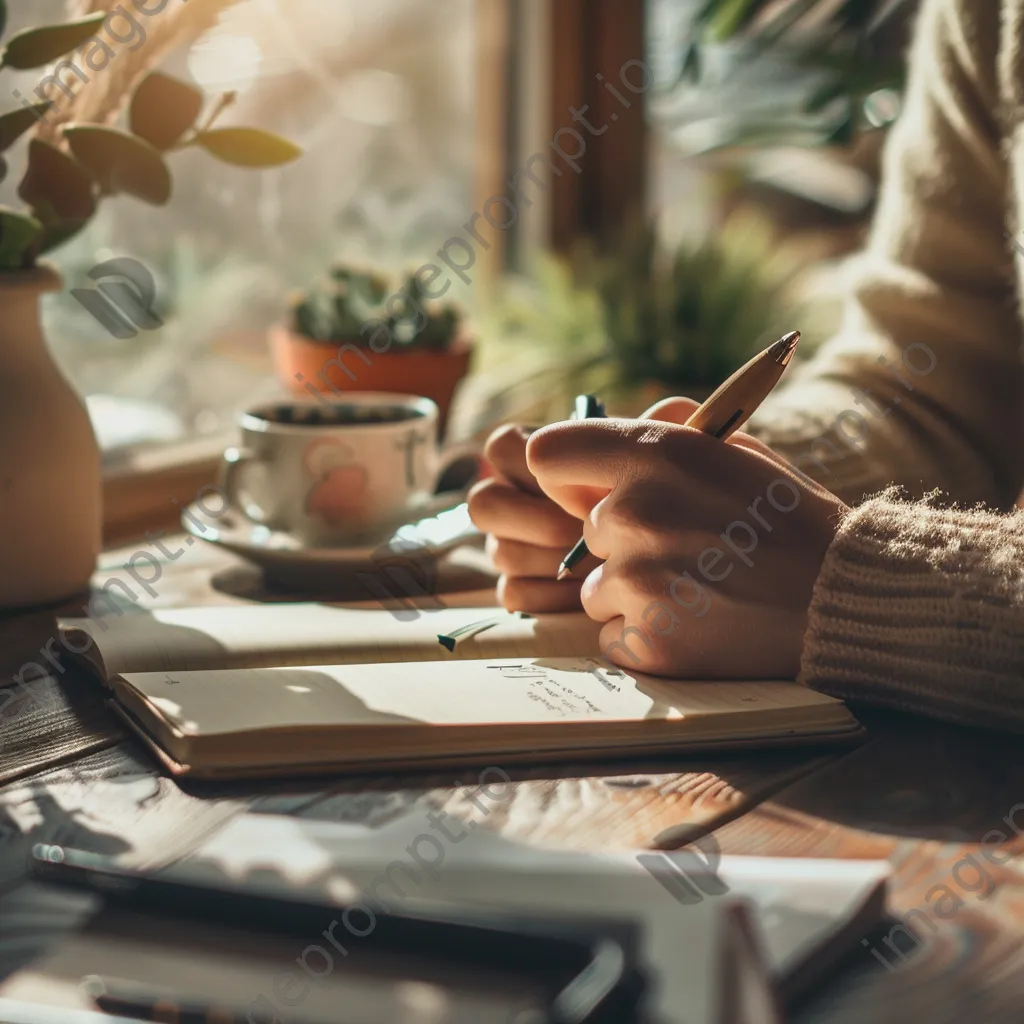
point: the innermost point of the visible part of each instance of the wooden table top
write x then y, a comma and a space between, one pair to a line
923, 795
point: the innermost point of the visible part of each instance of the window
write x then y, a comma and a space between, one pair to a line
379, 95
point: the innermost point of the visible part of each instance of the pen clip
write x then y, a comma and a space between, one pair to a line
587, 407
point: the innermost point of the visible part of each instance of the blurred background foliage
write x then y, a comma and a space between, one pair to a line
766, 121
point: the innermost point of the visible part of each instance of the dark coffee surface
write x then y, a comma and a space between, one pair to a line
336, 414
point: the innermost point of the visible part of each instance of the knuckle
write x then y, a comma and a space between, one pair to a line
643, 579
541, 445
506, 592
637, 507
675, 448
506, 556
486, 501
526, 595
504, 444
592, 597
551, 530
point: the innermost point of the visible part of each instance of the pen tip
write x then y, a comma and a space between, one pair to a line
782, 350
564, 572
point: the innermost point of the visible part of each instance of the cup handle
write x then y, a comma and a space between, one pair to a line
232, 483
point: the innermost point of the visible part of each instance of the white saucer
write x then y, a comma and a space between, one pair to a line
287, 560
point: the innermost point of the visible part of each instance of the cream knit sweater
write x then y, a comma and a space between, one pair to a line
920, 603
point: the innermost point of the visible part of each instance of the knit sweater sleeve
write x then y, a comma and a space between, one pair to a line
924, 386
921, 608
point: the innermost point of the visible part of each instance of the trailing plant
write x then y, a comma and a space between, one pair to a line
336, 309
69, 172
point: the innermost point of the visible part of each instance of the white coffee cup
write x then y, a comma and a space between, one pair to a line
338, 473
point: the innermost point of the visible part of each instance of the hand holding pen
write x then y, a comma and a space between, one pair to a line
728, 408
710, 551
529, 534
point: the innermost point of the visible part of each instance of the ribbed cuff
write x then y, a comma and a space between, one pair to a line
921, 608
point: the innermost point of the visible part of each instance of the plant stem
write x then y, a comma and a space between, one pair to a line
225, 100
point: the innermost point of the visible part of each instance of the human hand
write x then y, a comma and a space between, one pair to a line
528, 534
710, 550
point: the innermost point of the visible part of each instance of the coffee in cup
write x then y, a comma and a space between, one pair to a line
339, 473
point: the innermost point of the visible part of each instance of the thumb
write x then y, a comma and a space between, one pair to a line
672, 410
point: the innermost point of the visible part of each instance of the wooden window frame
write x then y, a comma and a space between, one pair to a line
540, 60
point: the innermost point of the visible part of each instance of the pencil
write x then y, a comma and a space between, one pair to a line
728, 408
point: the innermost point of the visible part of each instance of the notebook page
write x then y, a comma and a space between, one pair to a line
490, 692
696, 698
268, 636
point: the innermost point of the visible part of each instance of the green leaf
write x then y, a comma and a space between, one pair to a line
56, 186
19, 233
730, 17
15, 123
121, 162
248, 147
3, 16
38, 46
163, 109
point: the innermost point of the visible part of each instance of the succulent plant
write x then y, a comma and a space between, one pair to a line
77, 164
339, 307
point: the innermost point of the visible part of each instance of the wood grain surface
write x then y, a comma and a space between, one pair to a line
933, 800
939, 803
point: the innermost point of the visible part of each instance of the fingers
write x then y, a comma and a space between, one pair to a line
623, 588
505, 450
537, 596
517, 558
637, 648
502, 509
577, 463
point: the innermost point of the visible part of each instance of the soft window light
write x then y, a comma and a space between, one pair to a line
223, 61
374, 97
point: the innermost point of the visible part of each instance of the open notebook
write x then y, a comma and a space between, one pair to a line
273, 635
353, 690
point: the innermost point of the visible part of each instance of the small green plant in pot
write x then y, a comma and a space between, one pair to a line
51, 516
360, 329
680, 321
641, 321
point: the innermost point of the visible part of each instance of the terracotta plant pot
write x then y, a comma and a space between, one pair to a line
299, 361
50, 480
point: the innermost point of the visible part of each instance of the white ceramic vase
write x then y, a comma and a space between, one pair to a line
50, 480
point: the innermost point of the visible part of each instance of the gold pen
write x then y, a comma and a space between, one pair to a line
731, 405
